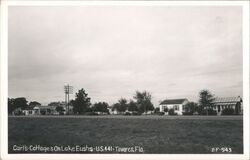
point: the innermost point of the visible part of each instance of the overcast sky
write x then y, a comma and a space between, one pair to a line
112, 51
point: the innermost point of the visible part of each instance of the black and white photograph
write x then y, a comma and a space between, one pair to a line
130, 79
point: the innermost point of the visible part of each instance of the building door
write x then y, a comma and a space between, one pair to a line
237, 108
43, 112
219, 109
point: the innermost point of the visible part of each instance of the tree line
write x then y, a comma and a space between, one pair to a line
141, 102
20, 102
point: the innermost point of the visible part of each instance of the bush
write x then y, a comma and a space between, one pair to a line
89, 109
209, 112
160, 113
165, 109
171, 112
127, 114
156, 110
18, 113
90, 113
61, 113
187, 113
227, 111
136, 113
196, 113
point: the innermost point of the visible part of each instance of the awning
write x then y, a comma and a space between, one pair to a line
223, 104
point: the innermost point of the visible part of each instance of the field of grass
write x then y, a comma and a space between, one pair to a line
155, 134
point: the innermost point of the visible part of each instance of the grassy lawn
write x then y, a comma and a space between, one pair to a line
155, 134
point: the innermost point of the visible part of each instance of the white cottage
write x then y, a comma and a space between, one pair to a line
177, 104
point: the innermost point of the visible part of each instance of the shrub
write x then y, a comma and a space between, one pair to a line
160, 113
156, 110
89, 109
61, 113
165, 109
171, 112
187, 113
18, 113
127, 114
136, 113
209, 112
227, 111
90, 113
196, 113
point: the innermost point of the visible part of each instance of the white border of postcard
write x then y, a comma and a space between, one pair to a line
4, 81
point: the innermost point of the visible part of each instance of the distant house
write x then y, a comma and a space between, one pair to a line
39, 110
66, 109
177, 104
47, 110
114, 111
28, 111
110, 110
221, 103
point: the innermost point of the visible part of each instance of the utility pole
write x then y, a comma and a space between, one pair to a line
67, 90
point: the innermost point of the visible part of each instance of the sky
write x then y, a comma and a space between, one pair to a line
113, 51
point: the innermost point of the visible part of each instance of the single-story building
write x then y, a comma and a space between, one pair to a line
221, 103
28, 111
39, 110
110, 110
177, 104
46, 110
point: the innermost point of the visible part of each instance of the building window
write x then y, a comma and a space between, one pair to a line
165, 109
176, 107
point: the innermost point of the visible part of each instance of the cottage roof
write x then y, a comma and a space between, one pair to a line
227, 99
47, 107
36, 107
173, 101
29, 108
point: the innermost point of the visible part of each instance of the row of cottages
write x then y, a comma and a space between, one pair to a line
46, 110
219, 104
40, 110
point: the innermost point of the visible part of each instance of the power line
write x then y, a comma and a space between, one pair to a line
67, 90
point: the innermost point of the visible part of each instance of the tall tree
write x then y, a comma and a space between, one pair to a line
54, 104
206, 99
81, 102
123, 102
11, 106
20, 102
192, 107
100, 107
34, 103
60, 109
121, 106
132, 106
143, 101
